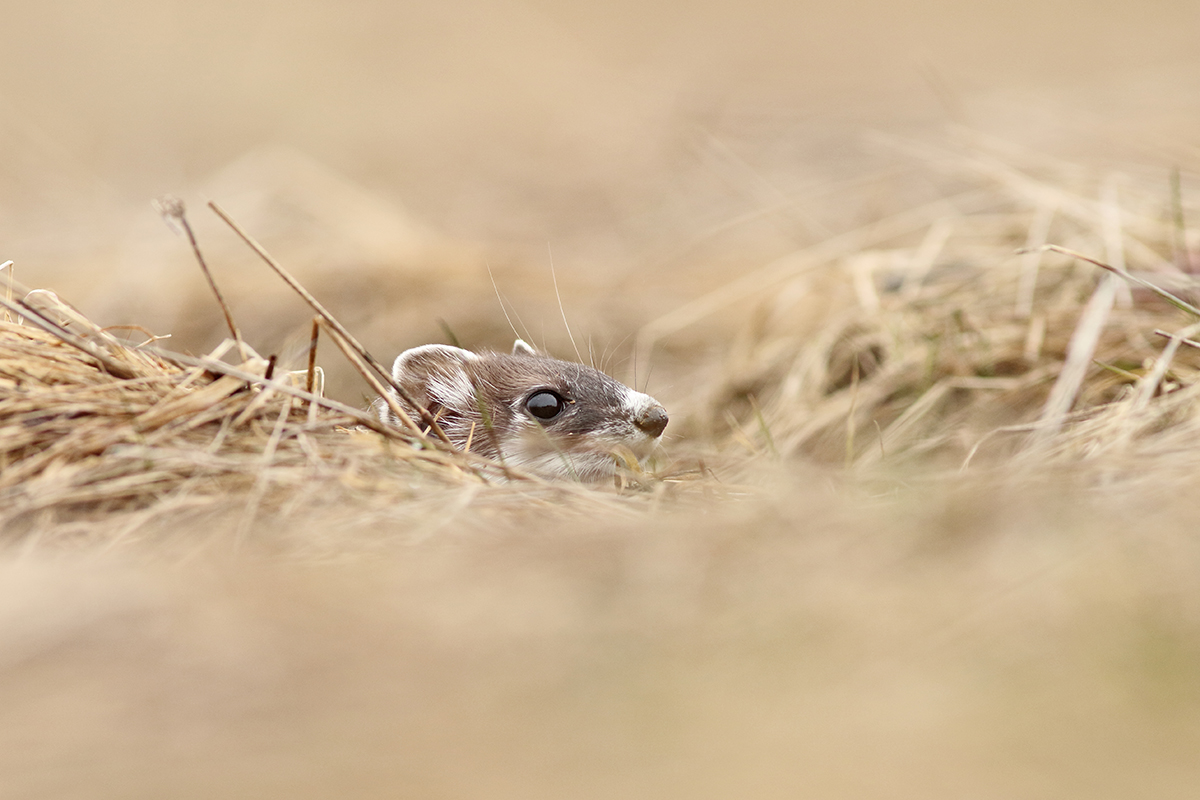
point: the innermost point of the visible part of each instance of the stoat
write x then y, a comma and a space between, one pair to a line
556, 419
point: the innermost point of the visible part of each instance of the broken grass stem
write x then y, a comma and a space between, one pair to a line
21, 308
1182, 305
329, 319
356, 361
312, 355
1166, 335
174, 209
221, 368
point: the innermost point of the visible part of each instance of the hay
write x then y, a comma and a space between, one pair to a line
967, 331
955, 626
78, 438
963, 334
92, 427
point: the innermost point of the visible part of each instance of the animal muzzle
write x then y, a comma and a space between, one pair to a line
652, 420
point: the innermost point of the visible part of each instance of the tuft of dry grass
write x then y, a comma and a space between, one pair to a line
95, 428
1037, 317
80, 439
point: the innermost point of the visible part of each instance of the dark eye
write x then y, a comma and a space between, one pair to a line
545, 405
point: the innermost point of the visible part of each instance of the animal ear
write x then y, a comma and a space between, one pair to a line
521, 348
436, 373
419, 363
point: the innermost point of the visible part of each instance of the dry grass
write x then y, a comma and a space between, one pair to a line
925, 531
971, 330
96, 427
97, 433
924, 525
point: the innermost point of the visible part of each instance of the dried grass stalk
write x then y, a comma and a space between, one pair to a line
88, 424
963, 335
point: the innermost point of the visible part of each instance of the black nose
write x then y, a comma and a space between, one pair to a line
653, 420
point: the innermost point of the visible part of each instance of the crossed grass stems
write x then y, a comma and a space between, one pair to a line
118, 426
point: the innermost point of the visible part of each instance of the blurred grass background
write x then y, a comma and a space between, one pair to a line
898, 637
619, 136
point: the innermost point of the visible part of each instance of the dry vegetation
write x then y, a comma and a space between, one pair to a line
1021, 321
923, 525
922, 528
99, 432
974, 331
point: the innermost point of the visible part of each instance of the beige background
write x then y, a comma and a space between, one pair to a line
390, 154
543, 121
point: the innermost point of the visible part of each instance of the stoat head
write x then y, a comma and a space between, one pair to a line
553, 418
